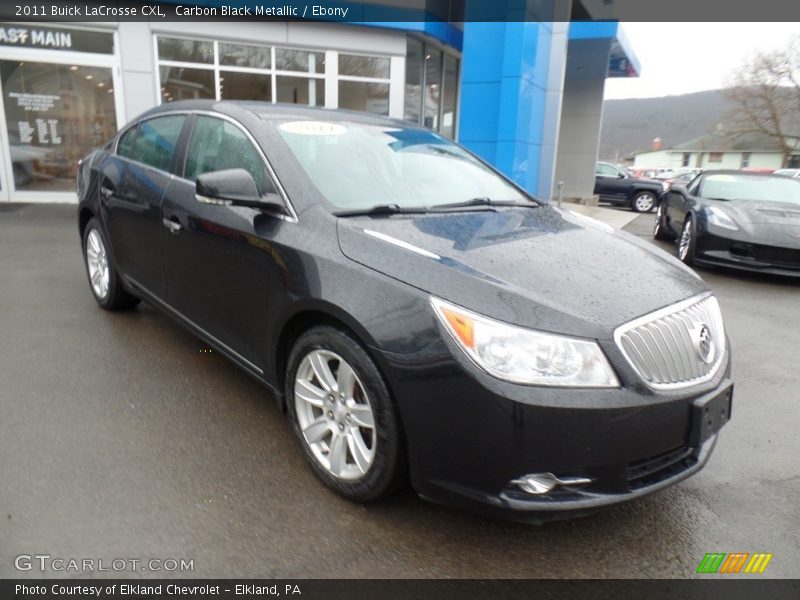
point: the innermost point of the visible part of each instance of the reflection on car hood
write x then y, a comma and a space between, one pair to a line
769, 223
537, 267
761, 212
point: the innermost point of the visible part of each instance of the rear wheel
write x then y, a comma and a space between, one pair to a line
643, 201
343, 415
660, 230
104, 280
687, 241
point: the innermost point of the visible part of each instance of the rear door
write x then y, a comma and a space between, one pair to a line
131, 194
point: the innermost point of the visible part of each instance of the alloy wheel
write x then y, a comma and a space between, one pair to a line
686, 240
335, 415
659, 216
644, 202
97, 263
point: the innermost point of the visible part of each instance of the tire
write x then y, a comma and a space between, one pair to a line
687, 241
643, 201
104, 281
660, 230
327, 429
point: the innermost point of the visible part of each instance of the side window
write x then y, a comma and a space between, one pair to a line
606, 170
694, 186
218, 144
125, 144
156, 141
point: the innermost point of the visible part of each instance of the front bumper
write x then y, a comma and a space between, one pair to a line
470, 435
718, 250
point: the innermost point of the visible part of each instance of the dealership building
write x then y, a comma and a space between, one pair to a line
525, 96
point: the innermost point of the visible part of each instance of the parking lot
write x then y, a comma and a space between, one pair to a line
122, 437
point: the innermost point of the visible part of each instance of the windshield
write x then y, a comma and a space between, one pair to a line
358, 166
748, 187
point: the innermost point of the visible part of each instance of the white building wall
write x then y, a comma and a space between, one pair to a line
656, 159
673, 159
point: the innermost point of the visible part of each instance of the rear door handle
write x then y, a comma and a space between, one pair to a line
106, 192
172, 224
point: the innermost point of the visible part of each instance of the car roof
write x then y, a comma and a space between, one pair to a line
270, 111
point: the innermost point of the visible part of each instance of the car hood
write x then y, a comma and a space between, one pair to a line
772, 223
537, 267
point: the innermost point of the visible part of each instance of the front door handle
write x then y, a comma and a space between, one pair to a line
172, 224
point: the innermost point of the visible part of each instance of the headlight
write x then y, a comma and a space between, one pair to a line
718, 217
664, 186
524, 355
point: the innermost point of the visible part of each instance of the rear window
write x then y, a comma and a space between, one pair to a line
125, 145
156, 140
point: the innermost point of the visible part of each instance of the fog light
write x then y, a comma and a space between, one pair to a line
544, 483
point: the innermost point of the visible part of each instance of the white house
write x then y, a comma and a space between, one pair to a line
720, 150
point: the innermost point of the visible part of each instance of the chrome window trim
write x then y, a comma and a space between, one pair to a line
290, 218
658, 314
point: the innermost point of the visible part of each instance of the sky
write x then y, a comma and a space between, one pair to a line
680, 58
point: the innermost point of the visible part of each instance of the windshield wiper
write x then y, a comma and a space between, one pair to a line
380, 210
483, 201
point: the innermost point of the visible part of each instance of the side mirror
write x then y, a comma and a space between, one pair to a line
235, 187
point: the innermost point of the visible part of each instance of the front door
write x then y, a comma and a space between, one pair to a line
222, 265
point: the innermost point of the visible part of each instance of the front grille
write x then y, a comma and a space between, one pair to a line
665, 348
784, 257
652, 470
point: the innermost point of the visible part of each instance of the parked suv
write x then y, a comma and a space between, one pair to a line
618, 186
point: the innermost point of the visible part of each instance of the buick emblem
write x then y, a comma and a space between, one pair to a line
704, 343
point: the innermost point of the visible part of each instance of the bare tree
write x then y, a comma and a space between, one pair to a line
765, 93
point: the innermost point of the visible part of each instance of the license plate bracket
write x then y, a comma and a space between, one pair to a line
709, 414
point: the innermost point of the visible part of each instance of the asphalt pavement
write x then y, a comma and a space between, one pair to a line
122, 437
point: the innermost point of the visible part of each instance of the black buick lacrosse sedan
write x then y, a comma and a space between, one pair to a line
417, 315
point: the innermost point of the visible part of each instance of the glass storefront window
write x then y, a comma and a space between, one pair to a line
433, 78
300, 90
299, 60
245, 86
182, 50
431, 90
183, 83
240, 55
376, 67
364, 96
449, 95
55, 114
413, 95
290, 75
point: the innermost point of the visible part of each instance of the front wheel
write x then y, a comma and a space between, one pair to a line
687, 241
343, 415
643, 201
